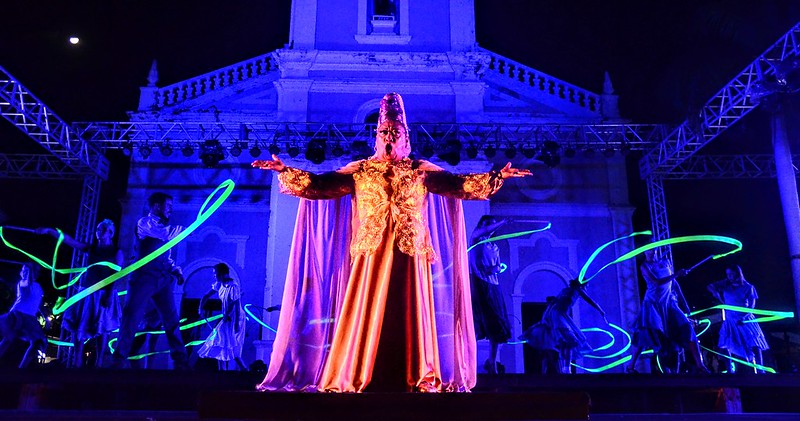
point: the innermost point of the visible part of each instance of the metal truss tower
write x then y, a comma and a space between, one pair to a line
730, 104
70, 155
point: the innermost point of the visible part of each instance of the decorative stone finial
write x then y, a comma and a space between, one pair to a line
607, 87
152, 77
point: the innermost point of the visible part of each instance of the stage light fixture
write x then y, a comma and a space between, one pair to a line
625, 150
274, 149
427, 150
528, 151
165, 149
608, 152
569, 152
490, 151
359, 149
588, 152
511, 152
236, 149
127, 148
315, 151
472, 151
452, 152
293, 150
211, 152
187, 150
145, 151
337, 150
255, 151
549, 154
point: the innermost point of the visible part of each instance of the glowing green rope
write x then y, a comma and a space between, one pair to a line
597, 329
597, 251
511, 235
52, 268
605, 367
770, 314
618, 353
257, 319
707, 324
749, 364
57, 342
161, 332
668, 241
202, 215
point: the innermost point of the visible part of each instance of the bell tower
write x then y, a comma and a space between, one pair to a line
383, 25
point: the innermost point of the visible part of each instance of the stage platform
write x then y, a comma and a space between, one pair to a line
63, 394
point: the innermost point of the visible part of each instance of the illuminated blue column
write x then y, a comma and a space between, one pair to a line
787, 185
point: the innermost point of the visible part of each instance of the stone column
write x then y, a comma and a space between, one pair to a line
787, 186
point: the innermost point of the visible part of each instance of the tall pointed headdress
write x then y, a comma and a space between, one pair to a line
392, 108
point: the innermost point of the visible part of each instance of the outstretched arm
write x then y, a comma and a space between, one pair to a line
203, 301
593, 303
652, 278
681, 298
480, 186
77, 245
307, 185
275, 165
714, 290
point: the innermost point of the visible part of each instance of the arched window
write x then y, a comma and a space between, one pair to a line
372, 118
383, 22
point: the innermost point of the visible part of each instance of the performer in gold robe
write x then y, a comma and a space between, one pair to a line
402, 317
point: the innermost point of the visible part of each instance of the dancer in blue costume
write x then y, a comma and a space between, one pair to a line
21, 322
557, 331
488, 305
738, 334
98, 314
661, 325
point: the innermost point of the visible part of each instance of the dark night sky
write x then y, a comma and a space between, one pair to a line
665, 57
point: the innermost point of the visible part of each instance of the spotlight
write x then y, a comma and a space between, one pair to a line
145, 151
625, 150
274, 149
588, 152
569, 152
315, 151
255, 151
127, 148
165, 149
528, 151
608, 152
472, 151
511, 152
359, 149
236, 149
549, 154
452, 152
293, 150
187, 150
490, 151
211, 152
337, 150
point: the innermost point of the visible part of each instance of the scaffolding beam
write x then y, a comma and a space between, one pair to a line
36, 166
142, 134
716, 167
41, 124
724, 109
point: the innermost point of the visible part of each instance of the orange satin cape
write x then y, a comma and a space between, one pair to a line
348, 321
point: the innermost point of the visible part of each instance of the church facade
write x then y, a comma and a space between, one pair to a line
342, 57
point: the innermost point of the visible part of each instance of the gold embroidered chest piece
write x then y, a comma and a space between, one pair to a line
393, 191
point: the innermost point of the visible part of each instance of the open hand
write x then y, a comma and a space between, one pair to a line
508, 172
275, 165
